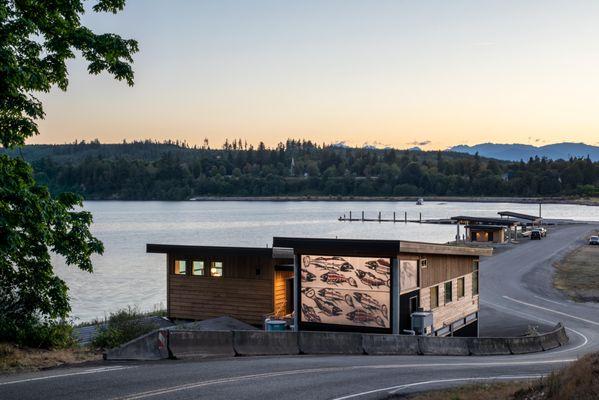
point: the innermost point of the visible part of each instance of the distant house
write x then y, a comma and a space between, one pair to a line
328, 284
482, 229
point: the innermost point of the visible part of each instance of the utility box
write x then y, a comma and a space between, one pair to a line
420, 321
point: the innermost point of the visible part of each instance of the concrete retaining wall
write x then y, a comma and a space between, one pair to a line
390, 344
260, 343
489, 346
185, 344
444, 346
330, 343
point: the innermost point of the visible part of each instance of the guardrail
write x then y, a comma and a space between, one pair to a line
186, 344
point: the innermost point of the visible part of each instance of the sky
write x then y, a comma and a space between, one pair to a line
390, 73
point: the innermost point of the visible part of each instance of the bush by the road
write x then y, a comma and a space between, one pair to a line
38, 333
121, 327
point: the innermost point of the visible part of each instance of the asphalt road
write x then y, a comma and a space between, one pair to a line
515, 285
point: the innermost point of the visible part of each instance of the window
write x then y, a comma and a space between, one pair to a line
475, 278
434, 297
448, 292
197, 268
180, 267
460, 288
216, 269
423, 263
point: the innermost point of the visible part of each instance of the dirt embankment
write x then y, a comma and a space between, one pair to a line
577, 274
20, 359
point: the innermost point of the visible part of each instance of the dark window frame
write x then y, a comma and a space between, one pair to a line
446, 292
175, 270
436, 289
193, 261
461, 287
222, 269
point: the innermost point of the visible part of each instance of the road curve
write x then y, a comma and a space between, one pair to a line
513, 283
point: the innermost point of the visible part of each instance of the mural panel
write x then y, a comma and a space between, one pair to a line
408, 275
346, 290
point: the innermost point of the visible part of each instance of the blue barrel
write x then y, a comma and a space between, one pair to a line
275, 326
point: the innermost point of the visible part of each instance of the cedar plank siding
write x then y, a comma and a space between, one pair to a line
240, 293
280, 294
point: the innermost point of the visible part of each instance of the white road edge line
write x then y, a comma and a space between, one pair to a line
553, 311
395, 389
86, 372
550, 301
188, 386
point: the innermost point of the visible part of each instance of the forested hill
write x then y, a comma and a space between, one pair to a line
174, 171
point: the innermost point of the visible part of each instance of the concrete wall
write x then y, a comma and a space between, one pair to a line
185, 344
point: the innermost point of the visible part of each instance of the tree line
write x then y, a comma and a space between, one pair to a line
147, 170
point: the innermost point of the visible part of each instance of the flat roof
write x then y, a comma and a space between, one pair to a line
519, 215
484, 227
207, 250
484, 220
375, 248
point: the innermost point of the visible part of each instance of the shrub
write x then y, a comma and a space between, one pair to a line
40, 333
121, 327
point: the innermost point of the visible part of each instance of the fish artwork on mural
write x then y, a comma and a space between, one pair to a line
334, 278
307, 276
335, 296
310, 314
328, 263
363, 317
380, 266
370, 279
327, 307
370, 303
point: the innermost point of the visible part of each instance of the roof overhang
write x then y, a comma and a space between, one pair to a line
208, 250
443, 249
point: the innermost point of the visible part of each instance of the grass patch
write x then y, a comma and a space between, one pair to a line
123, 326
578, 381
14, 358
578, 274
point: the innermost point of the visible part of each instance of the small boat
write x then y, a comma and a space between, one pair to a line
419, 201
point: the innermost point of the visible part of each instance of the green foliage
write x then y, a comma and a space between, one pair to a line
121, 327
175, 171
36, 40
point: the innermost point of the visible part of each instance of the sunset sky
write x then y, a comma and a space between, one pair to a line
392, 73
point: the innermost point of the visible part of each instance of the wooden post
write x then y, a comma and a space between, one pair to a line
420, 219
379, 216
405, 217
350, 216
540, 210
393, 216
362, 216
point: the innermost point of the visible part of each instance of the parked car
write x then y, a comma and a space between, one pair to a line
543, 231
594, 241
535, 234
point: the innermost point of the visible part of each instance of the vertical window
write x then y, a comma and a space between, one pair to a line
423, 263
460, 288
448, 292
198, 268
434, 297
216, 269
475, 278
180, 267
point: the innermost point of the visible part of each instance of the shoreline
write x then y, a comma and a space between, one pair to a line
454, 199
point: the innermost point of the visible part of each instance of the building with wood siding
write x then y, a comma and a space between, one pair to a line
344, 285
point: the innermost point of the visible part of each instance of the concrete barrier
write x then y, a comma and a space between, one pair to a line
527, 344
330, 343
560, 333
444, 346
489, 346
390, 344
188, 344
260, 343
549, 341
151, 346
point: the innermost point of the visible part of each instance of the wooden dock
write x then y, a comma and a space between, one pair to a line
379, 218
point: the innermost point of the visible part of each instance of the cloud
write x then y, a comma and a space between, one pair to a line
419, 143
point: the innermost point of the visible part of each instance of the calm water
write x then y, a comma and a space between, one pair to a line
126, 275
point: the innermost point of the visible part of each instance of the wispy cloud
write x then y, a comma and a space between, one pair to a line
419, 143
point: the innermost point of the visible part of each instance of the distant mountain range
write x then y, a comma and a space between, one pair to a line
517, 152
